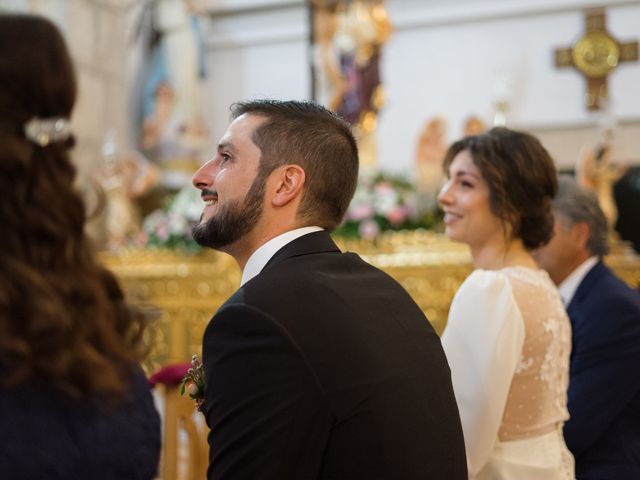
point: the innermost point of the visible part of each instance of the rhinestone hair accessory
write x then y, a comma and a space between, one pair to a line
44, 131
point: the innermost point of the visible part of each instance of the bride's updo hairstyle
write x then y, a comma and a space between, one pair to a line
522, 181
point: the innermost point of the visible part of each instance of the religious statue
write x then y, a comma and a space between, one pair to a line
123, 178
348, 36
172, 131
430, 153
174, 145
330, 84
596, 171
473, 125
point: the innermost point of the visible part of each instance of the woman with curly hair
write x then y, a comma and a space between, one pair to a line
508, 337
73, 400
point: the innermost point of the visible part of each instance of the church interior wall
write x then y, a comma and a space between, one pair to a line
262, 71
255, 53
444, 58
97, 36
459, 65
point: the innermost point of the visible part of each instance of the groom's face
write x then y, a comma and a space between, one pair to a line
231, 187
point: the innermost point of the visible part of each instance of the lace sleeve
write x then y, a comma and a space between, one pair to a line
483, 342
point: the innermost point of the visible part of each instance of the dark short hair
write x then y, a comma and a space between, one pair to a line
521, 177
308, 135
574, 204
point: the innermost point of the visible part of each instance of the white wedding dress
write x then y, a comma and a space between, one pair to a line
508, 340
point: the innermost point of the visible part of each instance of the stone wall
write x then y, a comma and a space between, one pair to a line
97, 35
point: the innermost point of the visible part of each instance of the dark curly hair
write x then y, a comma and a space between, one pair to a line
63, 318
522, 180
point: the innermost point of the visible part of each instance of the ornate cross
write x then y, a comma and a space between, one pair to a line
595, 55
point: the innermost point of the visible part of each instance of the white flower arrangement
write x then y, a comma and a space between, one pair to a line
171, 227
381, 203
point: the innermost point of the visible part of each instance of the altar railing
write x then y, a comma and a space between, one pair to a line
188, 288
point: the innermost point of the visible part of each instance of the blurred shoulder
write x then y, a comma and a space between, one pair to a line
612, 292
485, 281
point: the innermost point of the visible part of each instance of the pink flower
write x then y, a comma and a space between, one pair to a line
360, 212
368, 229
397, 215
163, 232
383, 188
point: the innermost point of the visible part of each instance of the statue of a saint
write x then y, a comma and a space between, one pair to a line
349, 35
596, 171
430, 153
123, 178
172, 132
330, 84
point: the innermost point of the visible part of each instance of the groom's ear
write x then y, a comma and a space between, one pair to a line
289, 182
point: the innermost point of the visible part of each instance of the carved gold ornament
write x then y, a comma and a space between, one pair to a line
596, 54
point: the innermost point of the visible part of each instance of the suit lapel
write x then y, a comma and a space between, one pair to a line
316, 242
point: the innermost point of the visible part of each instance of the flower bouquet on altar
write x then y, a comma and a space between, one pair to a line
381, 203
171, 226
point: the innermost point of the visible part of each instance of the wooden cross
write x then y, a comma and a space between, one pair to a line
595, 55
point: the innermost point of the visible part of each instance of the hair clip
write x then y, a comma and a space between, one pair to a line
46, 131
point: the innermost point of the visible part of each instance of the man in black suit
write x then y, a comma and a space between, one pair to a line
320, 366
603, 432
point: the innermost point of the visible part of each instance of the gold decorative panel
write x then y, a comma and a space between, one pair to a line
188, 288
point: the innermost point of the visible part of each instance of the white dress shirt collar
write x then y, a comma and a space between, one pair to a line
570, 284
263, 254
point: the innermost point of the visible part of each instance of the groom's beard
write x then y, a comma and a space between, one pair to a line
233, 221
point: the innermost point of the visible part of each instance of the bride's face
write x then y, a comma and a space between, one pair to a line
465, 200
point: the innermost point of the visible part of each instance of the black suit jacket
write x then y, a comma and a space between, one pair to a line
323, 367
604, 388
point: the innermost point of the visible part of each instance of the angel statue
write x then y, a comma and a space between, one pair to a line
596, 171
430, 153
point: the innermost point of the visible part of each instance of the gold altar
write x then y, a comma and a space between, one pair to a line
188, 288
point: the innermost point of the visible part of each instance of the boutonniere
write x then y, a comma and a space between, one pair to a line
193, 382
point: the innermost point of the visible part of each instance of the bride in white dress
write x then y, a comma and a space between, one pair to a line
508, 338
